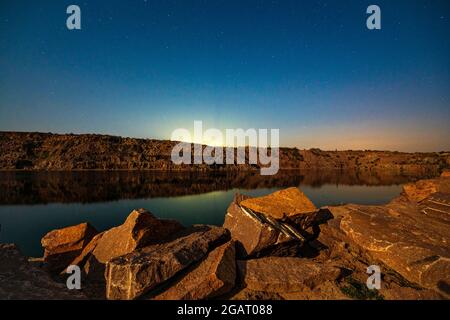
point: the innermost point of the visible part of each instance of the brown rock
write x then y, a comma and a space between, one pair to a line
284, 274
258, 234
445, 174
280, 204
20, 280
63, 245
325, 291
248, 295
87, 251
406, 293
215, 276
141, 228
252, 235
421, 189
418, 191
131, 275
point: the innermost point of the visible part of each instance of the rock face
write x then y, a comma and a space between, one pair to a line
213, 277
131, 275
63, 245
410, 238
284, 274
45, 151
284, 203
20, 280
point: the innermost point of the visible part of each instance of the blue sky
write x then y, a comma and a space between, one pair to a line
310, 68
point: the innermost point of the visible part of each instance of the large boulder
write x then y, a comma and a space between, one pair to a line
280, 204
272, 223
252, 234
133, 274
141, 228
63, 245
213, 277
20, 280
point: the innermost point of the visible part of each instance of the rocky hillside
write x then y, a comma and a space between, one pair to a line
46, 151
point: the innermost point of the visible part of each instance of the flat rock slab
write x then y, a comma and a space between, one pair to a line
325, 291
20, 280
410, 238
131, 275
280, 204
213, 277
284, 274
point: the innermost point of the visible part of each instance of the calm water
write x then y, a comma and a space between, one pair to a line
31, 204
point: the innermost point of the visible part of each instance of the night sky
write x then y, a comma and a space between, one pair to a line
310, 68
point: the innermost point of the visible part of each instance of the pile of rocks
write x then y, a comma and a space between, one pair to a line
134, 258
278, 246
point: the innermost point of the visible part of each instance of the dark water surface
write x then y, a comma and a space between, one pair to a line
31, 204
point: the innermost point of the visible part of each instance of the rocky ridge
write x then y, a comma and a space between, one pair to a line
47, 151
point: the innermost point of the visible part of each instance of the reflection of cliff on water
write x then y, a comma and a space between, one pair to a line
100, 186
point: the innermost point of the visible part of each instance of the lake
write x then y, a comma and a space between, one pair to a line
31, 204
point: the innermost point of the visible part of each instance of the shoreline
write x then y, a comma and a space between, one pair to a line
240, 265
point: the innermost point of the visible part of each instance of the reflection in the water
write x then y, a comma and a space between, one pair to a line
100, 186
